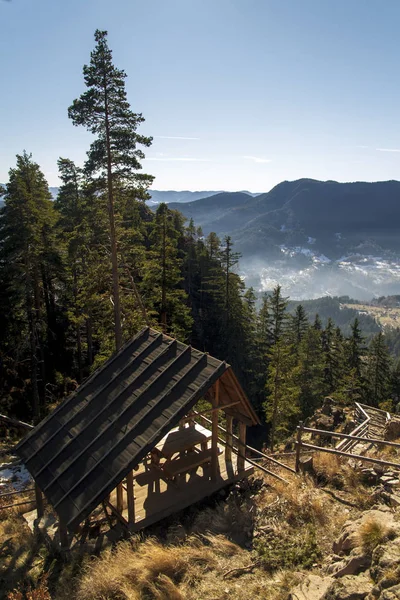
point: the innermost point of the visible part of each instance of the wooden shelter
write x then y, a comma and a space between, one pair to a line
129, 440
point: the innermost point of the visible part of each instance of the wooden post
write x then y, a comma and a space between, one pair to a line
131, 498
39, 501
242, 447
63, 533
120, 498
214, 438
298, 445
229, 438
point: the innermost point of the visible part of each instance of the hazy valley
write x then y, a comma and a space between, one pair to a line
314, 238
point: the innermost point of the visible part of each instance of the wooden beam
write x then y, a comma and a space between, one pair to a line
229, 438
131, 498
39, 501
15, 422
120, 498
241, 447
236, 439
63, 533
347, 436
239, 416
298, 446
350, 455
120, 518
209, 411
214, 438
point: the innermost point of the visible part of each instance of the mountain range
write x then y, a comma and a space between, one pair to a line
314, 237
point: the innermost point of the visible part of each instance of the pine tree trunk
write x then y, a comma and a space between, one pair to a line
113, 237
32, 343
276, 400
78, 327
164, 280
89, 340
38, 334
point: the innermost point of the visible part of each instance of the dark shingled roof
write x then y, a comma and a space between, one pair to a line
87, 445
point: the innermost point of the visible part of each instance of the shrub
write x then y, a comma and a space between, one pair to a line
372, 533
290, 550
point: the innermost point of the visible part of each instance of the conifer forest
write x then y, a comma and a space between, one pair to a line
84, 273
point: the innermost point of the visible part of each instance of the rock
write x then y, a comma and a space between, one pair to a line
349, 537
306, 464
369, 476
312, 588
385, 479
324, 422
338, 416
394, 483
385, 557
326, 408
349, 587
394, 500
379, 469
392, 593
392, 429
353, 566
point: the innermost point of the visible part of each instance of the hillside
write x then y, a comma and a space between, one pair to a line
335, 216
314, 238
214, 209
331, 533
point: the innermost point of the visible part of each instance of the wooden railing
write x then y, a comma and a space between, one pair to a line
350, 437
363, 429
235, 440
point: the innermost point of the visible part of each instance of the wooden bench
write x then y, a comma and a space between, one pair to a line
185, 464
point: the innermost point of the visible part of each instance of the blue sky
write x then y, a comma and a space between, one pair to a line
238, 94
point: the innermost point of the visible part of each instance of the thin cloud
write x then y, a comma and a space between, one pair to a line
365, 147
388, 149
175, 137
178, 159
257, 159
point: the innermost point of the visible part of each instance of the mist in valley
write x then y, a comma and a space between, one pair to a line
308, 277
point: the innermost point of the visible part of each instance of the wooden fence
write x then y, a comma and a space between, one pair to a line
251, 450
354, 439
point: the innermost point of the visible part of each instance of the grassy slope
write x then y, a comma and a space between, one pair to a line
256, 544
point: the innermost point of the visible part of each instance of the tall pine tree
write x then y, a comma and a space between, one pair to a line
114, 156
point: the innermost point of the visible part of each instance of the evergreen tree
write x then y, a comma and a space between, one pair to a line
377, 372
355, 348
278, 315
229, 260
114, 156
311, 372
299, 324
29, 260
282, 402
317, 323
162, 276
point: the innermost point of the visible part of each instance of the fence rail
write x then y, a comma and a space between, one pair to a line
247, 447
346, 437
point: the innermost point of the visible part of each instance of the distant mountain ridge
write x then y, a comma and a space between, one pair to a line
333, 215
314, 237
158, 196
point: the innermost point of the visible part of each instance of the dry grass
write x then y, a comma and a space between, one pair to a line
372, 533
149, 570
328, 468
303, 501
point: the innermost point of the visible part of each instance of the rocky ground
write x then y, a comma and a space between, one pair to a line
330, 534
